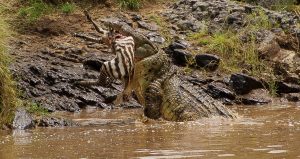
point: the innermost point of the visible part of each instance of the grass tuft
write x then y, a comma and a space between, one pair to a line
8, 95
34, 9
130, 4
35, 108
67, 7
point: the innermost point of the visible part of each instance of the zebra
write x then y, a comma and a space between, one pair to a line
122, 66
119, 68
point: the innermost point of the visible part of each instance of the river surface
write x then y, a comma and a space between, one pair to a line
260, 132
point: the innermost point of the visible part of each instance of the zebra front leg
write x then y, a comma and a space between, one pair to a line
126, 93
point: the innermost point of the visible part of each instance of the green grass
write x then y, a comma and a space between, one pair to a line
36, 109
130, 4
32, 10
8, 94
273, 88
67, 7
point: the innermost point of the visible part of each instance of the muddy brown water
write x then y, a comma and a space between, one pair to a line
261, 132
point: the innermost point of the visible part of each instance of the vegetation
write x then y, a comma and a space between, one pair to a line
8, 95
130, 4
34, 9
238, 49
67, 7
279, 5
35, 108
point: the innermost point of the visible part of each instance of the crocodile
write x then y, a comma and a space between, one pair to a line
161, 86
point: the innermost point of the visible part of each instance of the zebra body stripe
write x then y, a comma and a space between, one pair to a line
122, 66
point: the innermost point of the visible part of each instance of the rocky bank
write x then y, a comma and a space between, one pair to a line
49, 59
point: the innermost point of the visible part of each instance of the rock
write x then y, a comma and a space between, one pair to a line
181, 57
136, 17
51, 77
155, 37
144, 25
269, 46
55, 122
94, 64
208, 61
185, 25
219, 90
131, 104
178, 45
293, 97
255, 97
89, 98
254, 101
243, 84
285, 56
283, 87
74, 50
36, 70
22, 120
65, 104
110, 95
202, 6
235, 18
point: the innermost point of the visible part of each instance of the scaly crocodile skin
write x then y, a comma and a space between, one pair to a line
164, 92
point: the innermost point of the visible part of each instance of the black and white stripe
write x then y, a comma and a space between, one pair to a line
122, 66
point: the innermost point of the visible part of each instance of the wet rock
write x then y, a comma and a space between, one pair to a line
243, 84
67, 105
55, 122
131, 104
283, 87
147, 26
208, 61
89, 98
255, 97
219, 90
254, 101
97, 122
110, 95
293, 97
22, 120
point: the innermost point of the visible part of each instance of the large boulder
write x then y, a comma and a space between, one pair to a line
243, 84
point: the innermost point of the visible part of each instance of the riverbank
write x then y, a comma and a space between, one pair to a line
256, 53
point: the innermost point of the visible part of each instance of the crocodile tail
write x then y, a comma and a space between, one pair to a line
153, 99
